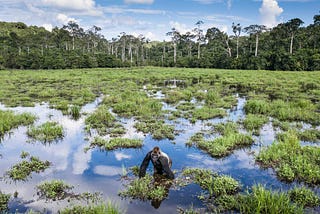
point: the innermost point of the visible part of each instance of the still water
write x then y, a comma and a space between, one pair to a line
99, 171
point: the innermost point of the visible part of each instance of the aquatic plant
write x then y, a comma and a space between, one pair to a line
101, 119
157, 128
21, 171
261, 200
74, 111
206, 113
254, 122
10, 120
53, 190
304, 197
292, 161
4, 199
46, 132
100, 208
145, 189
115, 143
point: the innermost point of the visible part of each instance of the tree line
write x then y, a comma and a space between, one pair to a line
287, 46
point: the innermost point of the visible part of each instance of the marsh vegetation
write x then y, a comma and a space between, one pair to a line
241, 141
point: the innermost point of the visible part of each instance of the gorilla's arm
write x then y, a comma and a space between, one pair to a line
144, 165
165, 164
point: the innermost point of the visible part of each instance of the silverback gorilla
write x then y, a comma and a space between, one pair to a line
161, 163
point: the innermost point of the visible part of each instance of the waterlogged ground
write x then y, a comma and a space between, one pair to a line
96, 170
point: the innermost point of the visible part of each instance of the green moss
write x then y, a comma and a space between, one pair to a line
46, 132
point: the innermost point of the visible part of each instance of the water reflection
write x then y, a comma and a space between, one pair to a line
99, 171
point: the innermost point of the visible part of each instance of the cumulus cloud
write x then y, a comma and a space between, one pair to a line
138, 1
48, 27
182, 28
64, 19
71, 4
269, 11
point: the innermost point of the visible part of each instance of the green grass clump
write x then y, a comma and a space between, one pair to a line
206, 113
304, 197
144, 189
22, 170
301, 110
53, 190
223, 146
215, 184
254, 122
101, 120
311, 135
10, 120
261, 200
46, 132
101, 208
157, 128
291, 161
226, 128
74, 111
116, 143
4, 199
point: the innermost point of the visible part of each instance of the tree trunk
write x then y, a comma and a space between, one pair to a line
73, 43
228, 48
123, 54
199, 50
237, 47
130, 53
174, 53
257, 43
291, 44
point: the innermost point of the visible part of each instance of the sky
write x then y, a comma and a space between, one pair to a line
154, 18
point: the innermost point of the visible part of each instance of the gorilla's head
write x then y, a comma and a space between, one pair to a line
155, 154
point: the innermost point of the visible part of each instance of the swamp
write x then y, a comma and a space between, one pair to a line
241, 141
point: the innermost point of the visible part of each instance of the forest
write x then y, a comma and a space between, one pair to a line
287, 46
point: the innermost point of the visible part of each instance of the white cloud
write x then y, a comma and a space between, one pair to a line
48, 27
182, 28
138, 1
71, 4
64, 19
269, 11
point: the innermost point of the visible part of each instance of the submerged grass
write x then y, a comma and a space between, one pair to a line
46, 132
292, 161
22, 170
10, 120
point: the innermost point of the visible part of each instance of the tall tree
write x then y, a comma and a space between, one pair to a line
255, 30
293, 25
175, 36
236, 28
199, 34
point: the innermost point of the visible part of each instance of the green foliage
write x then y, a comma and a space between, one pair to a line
4, 199
292, 161
9, 120
101, 208
206, 113
22, 170
53, 190
46, 132
116, 143
144, 189
254, 122
304, 197
157, 128
261, 200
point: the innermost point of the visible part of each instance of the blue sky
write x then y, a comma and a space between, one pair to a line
153, 18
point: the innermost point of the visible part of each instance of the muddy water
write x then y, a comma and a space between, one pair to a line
99, 171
